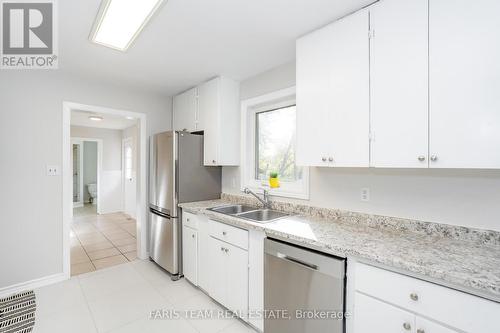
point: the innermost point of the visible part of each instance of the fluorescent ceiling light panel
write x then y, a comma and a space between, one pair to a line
119, 22
95, 118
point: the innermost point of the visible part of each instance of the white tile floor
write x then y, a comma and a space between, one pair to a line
121, 298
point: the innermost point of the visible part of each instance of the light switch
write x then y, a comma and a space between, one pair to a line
53, 170
365, 194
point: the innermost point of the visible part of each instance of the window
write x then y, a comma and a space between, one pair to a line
269, 141
275, 145
128, 161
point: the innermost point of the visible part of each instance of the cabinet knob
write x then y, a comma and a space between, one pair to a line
420, 330
414, 297
192, 235
222, 249
187, 219
330, 159
213, 161
434, 158
226, 250
224, 233
323, 159
407, 326
421, 158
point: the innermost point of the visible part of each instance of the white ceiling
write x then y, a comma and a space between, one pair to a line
81, 118
190, 41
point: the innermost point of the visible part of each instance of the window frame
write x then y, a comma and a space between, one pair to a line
249, 109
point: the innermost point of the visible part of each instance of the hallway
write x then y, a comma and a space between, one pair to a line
100, 241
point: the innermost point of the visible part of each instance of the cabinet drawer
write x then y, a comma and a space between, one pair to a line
457, 309
190, 220
229, 234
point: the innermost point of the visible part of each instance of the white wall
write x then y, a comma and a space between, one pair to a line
461, 197
89, 167
111, 177
30, 138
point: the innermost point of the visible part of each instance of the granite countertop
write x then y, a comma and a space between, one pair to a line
467, 265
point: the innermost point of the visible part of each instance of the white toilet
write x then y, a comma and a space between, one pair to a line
92, 189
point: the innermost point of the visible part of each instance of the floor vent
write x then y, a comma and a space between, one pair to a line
17, 313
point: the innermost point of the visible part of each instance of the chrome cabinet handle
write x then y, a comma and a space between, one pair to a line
323, 159
213, 161
192, 235
420, 330
407, 326
222, 249
187, 219
434, 158
224, 233
414, 297
330, 159
226, 250
421, 158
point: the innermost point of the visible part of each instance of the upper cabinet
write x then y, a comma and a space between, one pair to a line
402, 84
333, 94
185, 111
464, 84
399, 83
212, 107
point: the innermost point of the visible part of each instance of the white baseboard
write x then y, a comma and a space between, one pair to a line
28, 285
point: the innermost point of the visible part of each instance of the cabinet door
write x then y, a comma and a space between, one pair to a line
426, 326
208, 119
189, 254
371, 315
237, 283
313, 97
218, 271
349, 115
204, 254
399, 83
464, 49
184, 109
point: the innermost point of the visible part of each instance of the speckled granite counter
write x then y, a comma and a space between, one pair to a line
455, 259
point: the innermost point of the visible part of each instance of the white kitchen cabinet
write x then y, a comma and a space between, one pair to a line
399, 83
190, 254
204, 261
219, 118
464, 49
256, 277
384, 301
371, 315
333, 94
185, 111
229, 276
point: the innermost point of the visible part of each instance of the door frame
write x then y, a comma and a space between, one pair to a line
99, 167
134, 144
78, 142
67, 179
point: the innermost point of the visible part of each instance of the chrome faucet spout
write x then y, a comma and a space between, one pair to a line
265, 197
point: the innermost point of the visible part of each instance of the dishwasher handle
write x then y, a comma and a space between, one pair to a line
297, 261
313, 260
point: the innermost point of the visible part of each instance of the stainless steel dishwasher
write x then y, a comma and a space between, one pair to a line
303, 290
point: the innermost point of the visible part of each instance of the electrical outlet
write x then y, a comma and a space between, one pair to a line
53, 170
365, 194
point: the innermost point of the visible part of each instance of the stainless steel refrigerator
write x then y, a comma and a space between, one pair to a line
177, 175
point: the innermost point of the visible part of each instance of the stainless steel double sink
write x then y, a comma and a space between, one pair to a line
250, 213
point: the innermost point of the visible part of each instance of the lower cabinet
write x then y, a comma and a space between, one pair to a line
190, 254
229, 276
390, 302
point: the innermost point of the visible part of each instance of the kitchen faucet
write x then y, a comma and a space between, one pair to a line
265, 197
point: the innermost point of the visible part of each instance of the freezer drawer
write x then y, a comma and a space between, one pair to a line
165, 241
306, 285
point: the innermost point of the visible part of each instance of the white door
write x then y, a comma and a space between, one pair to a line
313, 97
349, 115
426, 326
184, 108
208, 119
189, 254
218, 271
464, 51
371, 315
204, 254
399, 83
237, 284
129, 177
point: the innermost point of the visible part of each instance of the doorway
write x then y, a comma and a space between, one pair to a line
105, 221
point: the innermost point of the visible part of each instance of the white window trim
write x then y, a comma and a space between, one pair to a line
249, 108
